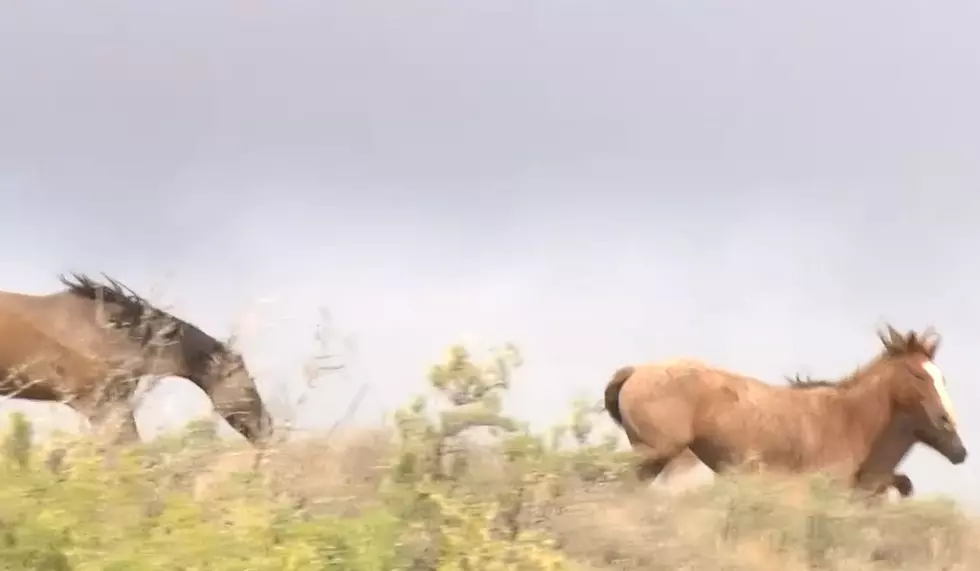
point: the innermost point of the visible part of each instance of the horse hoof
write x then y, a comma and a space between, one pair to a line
903, 484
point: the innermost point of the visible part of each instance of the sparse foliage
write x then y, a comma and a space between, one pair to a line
18, 440
461, 487
433, 445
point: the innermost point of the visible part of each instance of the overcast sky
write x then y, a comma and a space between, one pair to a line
759, 185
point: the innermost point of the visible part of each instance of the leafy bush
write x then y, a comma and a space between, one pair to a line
454, 484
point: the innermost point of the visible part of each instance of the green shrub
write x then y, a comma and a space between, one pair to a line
459, 486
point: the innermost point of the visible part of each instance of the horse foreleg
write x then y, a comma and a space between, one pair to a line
875, 495
114, 424
878, 487
903, 485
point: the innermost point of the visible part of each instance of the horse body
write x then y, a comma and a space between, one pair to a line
22, 364
858, 429
728, 419
88, 346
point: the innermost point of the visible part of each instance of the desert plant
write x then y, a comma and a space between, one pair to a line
434, 495
432, 444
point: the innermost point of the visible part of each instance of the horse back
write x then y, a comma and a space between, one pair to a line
37, 365
692, 376
682, 381
64, 320
704, 391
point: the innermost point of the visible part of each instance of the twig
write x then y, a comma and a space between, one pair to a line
352, 407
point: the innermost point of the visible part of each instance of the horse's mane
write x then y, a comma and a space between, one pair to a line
142, 320
803, 383
807, 382
895, 344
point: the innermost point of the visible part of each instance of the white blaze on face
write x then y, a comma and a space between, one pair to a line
939, 382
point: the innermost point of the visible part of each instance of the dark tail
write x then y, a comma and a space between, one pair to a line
613, 388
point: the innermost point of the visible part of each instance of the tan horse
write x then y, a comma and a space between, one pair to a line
876, 476
88, 346
853, 429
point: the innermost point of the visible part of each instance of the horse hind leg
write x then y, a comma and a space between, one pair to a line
654, 460
683, 463
661, 435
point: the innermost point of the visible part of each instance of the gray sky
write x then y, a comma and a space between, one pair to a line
757, 185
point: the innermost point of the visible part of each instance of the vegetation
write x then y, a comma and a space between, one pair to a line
454, 484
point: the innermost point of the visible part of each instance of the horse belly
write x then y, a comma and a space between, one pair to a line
715, 455
35, 368
25, 386
756, 446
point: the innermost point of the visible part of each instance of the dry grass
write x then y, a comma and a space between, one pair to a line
343, 501
745, 522
336, 475
762, 523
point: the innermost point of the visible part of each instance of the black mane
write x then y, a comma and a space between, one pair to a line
797, 382
133, 313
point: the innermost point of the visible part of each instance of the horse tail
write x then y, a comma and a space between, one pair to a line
613, 389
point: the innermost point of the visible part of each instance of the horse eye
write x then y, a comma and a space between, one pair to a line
945, 423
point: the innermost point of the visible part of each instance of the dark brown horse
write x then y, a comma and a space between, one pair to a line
844, 429
88, 346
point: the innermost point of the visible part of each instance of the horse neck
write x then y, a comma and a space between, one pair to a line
173, 362
890, 448
165, 361
866, 404
208, 377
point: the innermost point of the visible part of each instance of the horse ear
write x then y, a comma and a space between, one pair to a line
896, 338
884, 340
930, 343
911, 338
894, 342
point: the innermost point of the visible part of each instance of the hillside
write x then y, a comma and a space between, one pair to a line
424, 494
